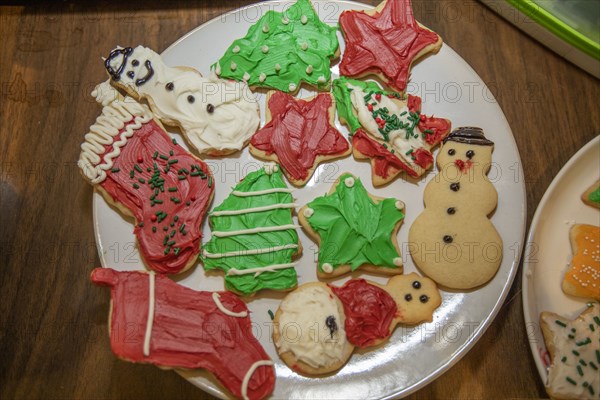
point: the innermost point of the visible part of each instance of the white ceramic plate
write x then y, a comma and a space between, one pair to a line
414, 356
548, 250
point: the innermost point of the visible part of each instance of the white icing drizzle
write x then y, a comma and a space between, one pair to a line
349, 181
261, 192
217, 299
235, 115
253, 209
255, 230
327, 268
304, 332
104, 132
248, 252
308, 212
397, 261
249, 374
259, 270
150, 319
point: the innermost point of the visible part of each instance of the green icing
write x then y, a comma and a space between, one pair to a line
353, 229
280, 279
595, 196
285, 46
341, 93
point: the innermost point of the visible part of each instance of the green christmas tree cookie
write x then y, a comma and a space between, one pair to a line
282, 50
254, 238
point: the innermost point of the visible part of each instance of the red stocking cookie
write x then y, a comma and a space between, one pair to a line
136, 166
154, 320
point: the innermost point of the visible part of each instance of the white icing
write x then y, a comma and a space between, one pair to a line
233, 66
259, 270
255, 230
277, 67
399, 204
230, 126
217, 299
236, 49
309, 69
104, 132
327, 268
254, 209
304, 46
304, 332
150, 318
262, 77
105, 94
248, 252
349, 181
397, 138
265, 28
249, 374
321, 79
308, 212
261, 192
303, 19
265, 49
285, 20
397, 261
246, 76
559, 371
270, 167
292, 87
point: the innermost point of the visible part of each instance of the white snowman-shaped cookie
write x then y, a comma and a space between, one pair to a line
452, 241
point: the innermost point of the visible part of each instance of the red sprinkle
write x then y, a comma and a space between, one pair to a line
422, 117
378, 120
391, 96
370, 107
378, 96
193, 198
140, 159
153, 218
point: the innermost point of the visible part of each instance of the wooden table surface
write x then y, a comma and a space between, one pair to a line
53, 333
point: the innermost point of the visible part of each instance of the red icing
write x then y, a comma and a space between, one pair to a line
384, 162
386, 42
188, 330
142, 146
440, 127
369, 311
298, 132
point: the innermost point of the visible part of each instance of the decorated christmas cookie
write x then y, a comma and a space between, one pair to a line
574, 347
299, 134
385, 42
216, 116
157, 321
354, 229
452, 241
388, 128
130, 159
583, 277
282, 50
254, 238
373, 310
309, 332
591, 196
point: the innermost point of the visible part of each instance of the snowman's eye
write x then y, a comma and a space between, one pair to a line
131, 74
135, 63
470, 154
210, 108
331, 324
451, 152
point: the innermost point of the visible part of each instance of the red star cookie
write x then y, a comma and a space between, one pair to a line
385, 42
299, 135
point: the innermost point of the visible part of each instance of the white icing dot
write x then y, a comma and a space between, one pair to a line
304, 46
236, 49
270, 167
321, 79
349, 181
285, 20
265, 49
266, 28
327, 268
233, 66
246, 76
308, 212
262, 77
399, 204
292, 87
398, 261
277, 67
303, 19
309, 69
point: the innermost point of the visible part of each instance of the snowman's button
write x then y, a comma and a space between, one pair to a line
135, 63
455, 186
170, 86
416, 285
448, 239
424, 298
451, 210
408, 297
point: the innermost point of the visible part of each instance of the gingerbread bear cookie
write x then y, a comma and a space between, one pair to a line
131, 160
583, 277
282, 50
591, 196
452, 241
354, 229
216, 116
574, 348
385, 42
299, 135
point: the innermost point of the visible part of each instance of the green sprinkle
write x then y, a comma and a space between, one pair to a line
583, 363
187, 203
166, 228
408, 153
594, 366
138, 168
585, 384
428, 131
154, 229
149, 169
579, 370
167, 250
176, 250
172, 224
182, 228
141, 224
176, 218
597, 320
591, 390
403, 113
174, 142
163, 157
184, 170
171, 243
271, 315
165, 240
131, 174
584, 342
172, 189
196, 173
155, 155
598, 356
173, 161
170, 152
175, 200
564, 359
592, 328
173, 232
115, 170
210, 181
136, 186
575, 352
571, 336
573, 330
181, 177
141, 180
571, 381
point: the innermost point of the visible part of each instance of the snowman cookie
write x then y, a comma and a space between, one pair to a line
216, 116
452, 241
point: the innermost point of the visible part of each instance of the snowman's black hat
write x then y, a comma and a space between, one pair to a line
469, 135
